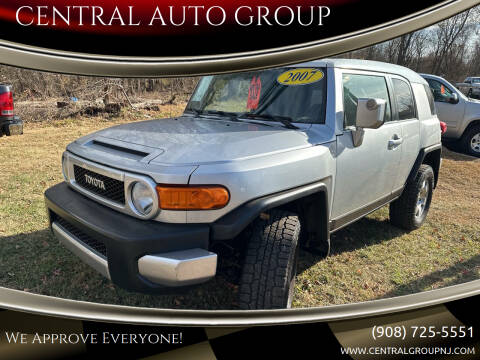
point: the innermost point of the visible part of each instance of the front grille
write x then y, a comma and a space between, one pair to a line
87, 240
112, 189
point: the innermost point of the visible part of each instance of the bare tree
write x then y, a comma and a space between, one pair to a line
450, 48
474, 65
447, 37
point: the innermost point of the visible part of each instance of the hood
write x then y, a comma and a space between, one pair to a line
473, 101
189, 140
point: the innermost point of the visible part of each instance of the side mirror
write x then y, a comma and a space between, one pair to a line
370, 115
454, 99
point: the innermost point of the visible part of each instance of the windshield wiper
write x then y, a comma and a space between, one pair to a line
234, 116
231, 115
285, 120
213, 112
194, 111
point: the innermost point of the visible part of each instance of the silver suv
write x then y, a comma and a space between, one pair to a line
264, 161
471, 86
459, 112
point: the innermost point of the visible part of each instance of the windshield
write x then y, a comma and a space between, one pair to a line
298, 94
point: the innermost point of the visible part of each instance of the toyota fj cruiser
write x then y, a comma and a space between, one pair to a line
269, 160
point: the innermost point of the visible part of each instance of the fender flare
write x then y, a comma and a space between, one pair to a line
420, 160
233, 223
472, 122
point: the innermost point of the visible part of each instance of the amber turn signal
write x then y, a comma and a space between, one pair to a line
203, 197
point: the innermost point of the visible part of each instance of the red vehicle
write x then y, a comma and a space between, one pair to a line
9, 123
443, 127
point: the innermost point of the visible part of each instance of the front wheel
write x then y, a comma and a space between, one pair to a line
410, 210
471, 141
269, 270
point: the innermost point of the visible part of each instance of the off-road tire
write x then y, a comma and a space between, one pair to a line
403, 210
7, 131
466, 140
269, 269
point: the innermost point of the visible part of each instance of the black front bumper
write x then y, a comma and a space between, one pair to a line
123, 238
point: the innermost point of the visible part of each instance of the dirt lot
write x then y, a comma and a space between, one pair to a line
370, 259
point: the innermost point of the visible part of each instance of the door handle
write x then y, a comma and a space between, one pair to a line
394, 142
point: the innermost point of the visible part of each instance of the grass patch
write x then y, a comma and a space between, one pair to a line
371, 259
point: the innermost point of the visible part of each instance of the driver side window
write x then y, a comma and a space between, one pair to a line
357, 86
441, 93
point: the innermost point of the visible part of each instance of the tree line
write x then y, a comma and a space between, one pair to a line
450, 49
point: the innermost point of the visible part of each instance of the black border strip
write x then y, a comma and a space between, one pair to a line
42, 59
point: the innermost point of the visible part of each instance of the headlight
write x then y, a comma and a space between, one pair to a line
197, 197
64, 168
142, 198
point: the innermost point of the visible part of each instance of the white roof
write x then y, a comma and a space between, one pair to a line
367, 65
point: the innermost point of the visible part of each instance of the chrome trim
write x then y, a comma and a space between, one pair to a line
74, 309
39, 58
88, 256
128, 180
65, 171
179, 268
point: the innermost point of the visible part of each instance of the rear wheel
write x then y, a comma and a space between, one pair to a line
471, 141
410, 210
269, 270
